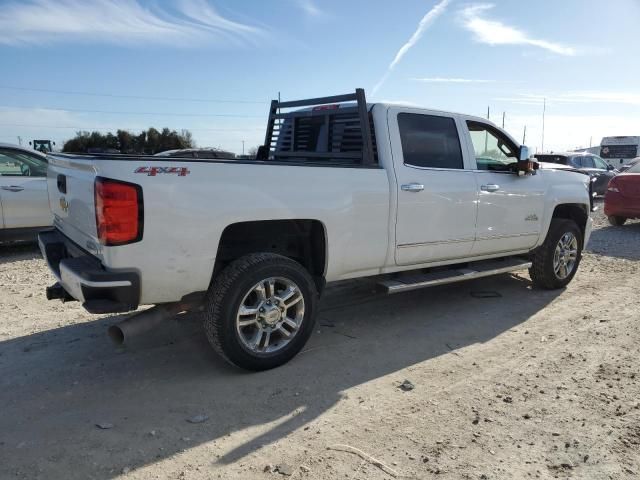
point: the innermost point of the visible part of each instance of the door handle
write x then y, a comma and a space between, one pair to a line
491, 187
412, 187
13, 188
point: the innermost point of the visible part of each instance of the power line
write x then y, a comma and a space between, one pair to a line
138, 97
169, 114
24, 125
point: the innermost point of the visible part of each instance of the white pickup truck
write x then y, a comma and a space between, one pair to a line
341, 189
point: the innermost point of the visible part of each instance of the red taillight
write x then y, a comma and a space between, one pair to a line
118, 211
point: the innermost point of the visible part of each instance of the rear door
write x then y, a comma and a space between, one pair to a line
510, 207
436, 193
23, 189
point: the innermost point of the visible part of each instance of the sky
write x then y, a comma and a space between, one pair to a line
212, 66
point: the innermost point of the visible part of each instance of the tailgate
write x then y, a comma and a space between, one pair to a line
70, 182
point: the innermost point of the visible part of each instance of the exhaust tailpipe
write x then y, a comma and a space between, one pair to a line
141, 322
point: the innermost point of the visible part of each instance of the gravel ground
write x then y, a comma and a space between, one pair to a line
525, 384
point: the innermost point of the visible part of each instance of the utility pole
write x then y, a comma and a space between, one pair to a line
524, 136
590, 141
503, 114
242, 147
19, 140
544, 111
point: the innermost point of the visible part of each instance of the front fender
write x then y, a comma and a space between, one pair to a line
565, 188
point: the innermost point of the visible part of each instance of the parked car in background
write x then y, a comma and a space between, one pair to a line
595, 166
622, 200
208, 153
24, 203
627, 166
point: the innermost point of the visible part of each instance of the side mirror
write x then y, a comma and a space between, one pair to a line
610, 167
526, 166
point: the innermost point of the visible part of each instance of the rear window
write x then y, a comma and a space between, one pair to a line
430, 141
336, 133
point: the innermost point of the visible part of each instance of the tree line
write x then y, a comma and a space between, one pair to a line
149, 142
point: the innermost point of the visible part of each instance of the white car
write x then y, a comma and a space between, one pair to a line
341, 190
24, 203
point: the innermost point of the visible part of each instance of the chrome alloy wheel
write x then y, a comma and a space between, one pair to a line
270, 315
566, 256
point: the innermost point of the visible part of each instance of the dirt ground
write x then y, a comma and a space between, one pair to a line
523, 384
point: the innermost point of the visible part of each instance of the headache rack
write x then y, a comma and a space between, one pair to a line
329, 132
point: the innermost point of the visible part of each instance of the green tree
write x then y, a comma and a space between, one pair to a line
150, 142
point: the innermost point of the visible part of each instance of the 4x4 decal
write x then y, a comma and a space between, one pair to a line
153, 171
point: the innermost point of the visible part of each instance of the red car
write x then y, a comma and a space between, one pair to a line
622, 200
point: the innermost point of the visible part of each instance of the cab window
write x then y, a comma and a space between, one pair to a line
493, 150
430, 141
14, 163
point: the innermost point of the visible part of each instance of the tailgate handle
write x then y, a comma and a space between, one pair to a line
13, 188
62, 183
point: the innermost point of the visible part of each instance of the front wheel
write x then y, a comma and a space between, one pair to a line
260, 310
616, 221
556, 261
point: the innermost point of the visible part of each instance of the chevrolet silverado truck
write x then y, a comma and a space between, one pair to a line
340, 189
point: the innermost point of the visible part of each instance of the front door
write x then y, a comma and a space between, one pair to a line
23, 189
436, 193
510, 207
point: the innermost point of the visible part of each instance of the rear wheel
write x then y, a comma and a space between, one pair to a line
616, 221
260, 311
555, 263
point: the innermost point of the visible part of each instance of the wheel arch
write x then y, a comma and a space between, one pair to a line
577, 212
302, 240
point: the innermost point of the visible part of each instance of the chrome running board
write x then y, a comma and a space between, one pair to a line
441, 277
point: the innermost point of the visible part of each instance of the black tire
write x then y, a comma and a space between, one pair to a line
542, 271
226, 295
616, 221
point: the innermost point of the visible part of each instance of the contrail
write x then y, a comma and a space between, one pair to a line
424, 24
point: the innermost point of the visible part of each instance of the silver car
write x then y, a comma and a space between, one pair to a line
24, 204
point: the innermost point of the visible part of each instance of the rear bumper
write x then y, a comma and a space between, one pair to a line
85, 279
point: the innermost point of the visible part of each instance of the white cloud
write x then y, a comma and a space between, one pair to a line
310, 8
450, 80
424, 24
493, 32
118, 22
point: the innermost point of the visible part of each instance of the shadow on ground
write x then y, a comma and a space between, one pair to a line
56, 385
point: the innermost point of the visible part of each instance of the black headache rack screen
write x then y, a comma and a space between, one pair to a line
327, 132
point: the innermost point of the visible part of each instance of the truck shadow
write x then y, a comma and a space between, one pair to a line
55, 386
